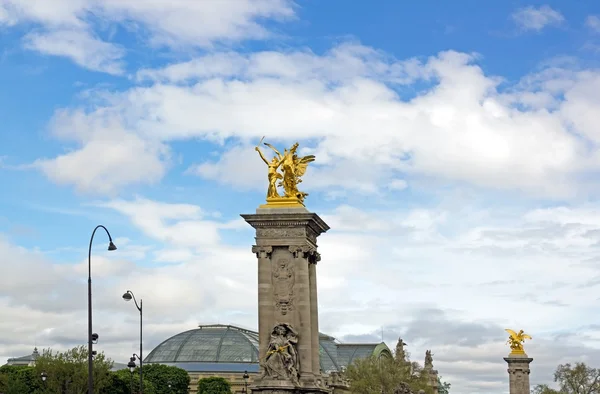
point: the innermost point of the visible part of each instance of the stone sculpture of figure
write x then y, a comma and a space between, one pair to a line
428, 359
273, 175
282, 361
293, 167
515, 341
400, 353
283, 285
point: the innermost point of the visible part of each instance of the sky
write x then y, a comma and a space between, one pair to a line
457, 157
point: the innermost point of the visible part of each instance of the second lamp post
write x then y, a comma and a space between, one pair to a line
128, 296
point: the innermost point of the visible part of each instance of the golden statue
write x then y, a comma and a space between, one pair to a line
515, 341
293, 168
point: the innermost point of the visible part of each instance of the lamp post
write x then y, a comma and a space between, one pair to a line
93, 337
245, 377
128, 296
131, 366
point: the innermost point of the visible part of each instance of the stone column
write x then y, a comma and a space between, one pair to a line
314, 311
286, 248
265, 297
518, 373
302, 304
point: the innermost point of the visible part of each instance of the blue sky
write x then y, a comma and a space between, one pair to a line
457, 158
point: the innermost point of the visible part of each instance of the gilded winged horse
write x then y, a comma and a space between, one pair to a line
515, 340
293, 167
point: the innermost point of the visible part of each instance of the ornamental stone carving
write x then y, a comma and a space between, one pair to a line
278, 232
282, 361
262, 251
283, 285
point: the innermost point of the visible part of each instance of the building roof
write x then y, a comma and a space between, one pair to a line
214, 343
24, 360
226, 348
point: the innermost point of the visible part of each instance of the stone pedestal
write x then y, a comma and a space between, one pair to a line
286, 249
518, 373
432, 379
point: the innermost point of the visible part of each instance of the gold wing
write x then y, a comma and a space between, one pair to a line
511, 332
525, 336
301, 164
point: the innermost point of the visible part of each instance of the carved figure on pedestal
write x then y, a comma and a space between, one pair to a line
273, 175
428, 359
400, 352
515, 341
282, 361
293, 168
283, 285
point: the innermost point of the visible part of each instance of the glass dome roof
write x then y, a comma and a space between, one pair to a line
218, 345
214, 343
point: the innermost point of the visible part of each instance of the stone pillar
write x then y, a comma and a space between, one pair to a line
286, 248
265, 291
314, 312
518, 373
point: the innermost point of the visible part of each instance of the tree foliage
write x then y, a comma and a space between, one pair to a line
384, 375
573, 379
214, 385
19, 379
67, 372
160, 376
443, 387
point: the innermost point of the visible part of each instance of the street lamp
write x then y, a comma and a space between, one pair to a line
93, 337
131, 366
245, 377
128, 296
44, 376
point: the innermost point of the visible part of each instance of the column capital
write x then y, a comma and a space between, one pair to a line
262, 251
301, 251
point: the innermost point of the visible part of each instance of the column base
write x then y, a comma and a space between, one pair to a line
271, 386
283, 202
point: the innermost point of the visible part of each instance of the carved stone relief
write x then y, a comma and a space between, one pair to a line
278, 232
283, 285
282, 361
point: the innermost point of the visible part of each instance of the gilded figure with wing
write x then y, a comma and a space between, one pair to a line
293, 168
515, 341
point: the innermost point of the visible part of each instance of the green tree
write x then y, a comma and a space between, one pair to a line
68, 371
577, 379
126, 382
374, 376
543, 389
19, 379
214, 385
443, 387
160, 376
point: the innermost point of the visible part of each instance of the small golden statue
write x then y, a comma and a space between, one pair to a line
515, 341
293, 168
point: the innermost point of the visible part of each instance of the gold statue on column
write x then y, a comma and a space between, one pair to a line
293, 168
515, 341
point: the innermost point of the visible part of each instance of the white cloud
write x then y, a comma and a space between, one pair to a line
532, 18
80, 47
459, 128
179, 24
110, 158
593, 23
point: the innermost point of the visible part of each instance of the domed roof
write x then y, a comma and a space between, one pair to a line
225, 347
214, 343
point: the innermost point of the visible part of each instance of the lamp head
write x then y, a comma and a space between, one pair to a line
131, 364
127, 296
111, 246
95, 338
44, 376
245, 376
